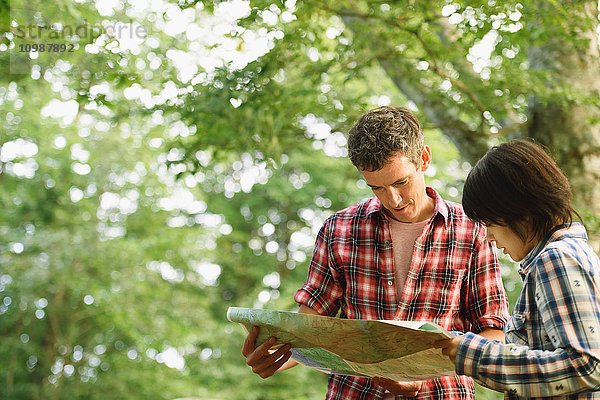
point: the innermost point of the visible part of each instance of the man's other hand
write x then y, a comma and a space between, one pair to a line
408, 389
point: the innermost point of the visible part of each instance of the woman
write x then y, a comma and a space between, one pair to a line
553, 336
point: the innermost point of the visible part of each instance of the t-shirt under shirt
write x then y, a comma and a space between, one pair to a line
404, 236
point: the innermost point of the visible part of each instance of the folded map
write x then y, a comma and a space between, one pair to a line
399, 350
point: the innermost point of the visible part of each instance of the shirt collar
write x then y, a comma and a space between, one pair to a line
441, 208
574, 230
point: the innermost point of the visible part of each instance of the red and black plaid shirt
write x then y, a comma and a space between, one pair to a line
454, 281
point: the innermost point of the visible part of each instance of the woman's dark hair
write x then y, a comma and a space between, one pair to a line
518, 185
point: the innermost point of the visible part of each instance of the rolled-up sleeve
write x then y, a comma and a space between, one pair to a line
322, 290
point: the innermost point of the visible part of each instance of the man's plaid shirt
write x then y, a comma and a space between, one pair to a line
454, 281
554, 331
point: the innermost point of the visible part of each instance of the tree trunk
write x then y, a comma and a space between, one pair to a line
571, 128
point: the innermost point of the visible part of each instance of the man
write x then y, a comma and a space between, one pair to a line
404, 254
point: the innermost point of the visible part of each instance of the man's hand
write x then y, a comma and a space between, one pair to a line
263, 360
408, 389
448, 346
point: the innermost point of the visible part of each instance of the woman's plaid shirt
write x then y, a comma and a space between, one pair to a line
454, 281
554, 331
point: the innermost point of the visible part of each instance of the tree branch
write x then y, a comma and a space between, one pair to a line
454, 82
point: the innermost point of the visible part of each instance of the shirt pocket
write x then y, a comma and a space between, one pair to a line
435, 293
516, 329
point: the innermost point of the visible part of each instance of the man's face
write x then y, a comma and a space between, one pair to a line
400, 186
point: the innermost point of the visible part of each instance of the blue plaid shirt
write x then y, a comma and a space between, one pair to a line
553, 335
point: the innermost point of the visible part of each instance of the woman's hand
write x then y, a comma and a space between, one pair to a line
448, 346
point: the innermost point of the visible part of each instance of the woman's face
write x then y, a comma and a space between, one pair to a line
510, 243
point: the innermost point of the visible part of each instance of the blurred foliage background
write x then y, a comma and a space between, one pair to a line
175, 158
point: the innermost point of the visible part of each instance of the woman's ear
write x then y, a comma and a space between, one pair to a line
524, 229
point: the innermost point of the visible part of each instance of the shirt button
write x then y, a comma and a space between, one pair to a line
390, 282
387, 243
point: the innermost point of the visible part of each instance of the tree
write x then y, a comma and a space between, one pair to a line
481, 71
150, 183
114, 275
